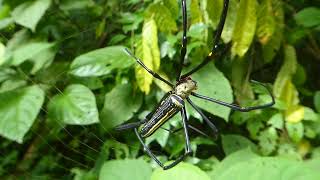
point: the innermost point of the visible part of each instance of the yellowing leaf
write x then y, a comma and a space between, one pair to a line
149, 53
195, 11
212, 13
266, 21
287, 70
230, 21
173, 6
295, 114
245, 27
162, 16
289, 94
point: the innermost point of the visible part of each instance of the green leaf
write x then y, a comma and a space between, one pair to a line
76, 105
232, 143
18, 110
212, 11
29, 13
295, 131
100, 62
276, 121
217, 86
162, 16
125, 169
266, 21
230, 23
173, 6
287, 70
179, 172
266, 168
270, 49
234, 158
316, 101
119, 106
41, 53
150, 55
68, 5
6, 73
308, 17
195, 12
268, 140
245, 27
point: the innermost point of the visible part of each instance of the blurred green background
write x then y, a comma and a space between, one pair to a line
65, 83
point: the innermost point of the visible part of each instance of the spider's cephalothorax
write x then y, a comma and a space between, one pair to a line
184, 87
174, 101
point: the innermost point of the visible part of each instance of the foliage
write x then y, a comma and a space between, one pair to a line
65, 83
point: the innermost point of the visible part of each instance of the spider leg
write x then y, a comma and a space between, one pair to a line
155, 75
205, 118
213, 54
237, 107
126, 126
188, 146
184, 38
189, 126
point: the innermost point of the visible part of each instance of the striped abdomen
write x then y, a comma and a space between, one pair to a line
167, 108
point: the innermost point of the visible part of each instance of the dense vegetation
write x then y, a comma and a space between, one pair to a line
65, 83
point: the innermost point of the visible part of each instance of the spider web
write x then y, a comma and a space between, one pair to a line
77, 146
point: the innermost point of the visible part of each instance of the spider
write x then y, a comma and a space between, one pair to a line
174, 101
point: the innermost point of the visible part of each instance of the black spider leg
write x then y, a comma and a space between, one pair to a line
205, 118
155, 75
189, 126
188, 149
216, 40
184, 38
237, 107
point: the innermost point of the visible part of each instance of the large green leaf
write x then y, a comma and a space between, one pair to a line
18, 110
245, 27
195, 12
29, 13
125, 169
119, 106
212, 13
212, 83
268, 168
173, 6
308, 17
232, 143
180, 172
234, 158
76, 105
162, 16
100, 62
149, 53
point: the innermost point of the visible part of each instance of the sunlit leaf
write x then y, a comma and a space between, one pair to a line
276, 121
125, 169
179, 172
149, 54
76, 105
173, 6
295, 114
212, 83
101, 62
18, 110
245, 27
119, 105
162, 16
195, 12
29, 13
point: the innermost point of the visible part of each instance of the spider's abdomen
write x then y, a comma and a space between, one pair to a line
167, 108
